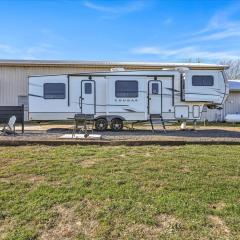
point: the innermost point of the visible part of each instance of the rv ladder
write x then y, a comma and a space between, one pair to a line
157, 117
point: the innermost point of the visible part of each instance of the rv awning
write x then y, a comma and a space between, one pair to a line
112, 64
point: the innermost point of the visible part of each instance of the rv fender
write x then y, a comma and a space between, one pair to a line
109, 118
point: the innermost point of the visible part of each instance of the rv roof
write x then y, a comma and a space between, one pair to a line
158, 65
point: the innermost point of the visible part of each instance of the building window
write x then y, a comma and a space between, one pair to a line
155, 88
126, 89
88, 88
202, 80
54, 90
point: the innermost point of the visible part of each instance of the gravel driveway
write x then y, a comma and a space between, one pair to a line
142, 133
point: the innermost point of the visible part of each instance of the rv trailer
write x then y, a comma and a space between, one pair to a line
172, 94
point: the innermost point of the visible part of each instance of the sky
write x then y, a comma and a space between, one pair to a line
120, 30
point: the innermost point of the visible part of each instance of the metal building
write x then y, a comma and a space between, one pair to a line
231, 106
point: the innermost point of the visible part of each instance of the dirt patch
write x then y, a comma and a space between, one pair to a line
88, 163
5, 180
69, 225
168, 222
6, 163
147, 154
165, 224
5, 227
218, 206
219, 227
29, 178
184, 169
91, 162
65, 227
122, 155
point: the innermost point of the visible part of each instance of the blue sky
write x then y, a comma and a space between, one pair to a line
126, 30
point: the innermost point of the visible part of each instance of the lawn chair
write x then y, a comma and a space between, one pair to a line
9, 128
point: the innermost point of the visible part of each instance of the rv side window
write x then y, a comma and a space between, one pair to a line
88, 88
155, 88
202, 80
54, 90
126, 89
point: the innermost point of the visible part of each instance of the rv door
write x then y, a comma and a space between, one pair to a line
155, 97
88, 97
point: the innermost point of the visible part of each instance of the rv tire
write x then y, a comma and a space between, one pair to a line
101, 124
116, 124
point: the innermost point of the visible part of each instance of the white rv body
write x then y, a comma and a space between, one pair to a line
175, 94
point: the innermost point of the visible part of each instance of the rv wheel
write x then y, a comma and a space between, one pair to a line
116, 125
101, 124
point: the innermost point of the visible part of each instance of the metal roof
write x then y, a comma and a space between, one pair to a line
159, 65
234, 85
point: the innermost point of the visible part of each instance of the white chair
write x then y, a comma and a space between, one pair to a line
9, 128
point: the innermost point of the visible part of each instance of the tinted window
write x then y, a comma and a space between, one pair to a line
54, 90
125, 89
202, 80
88, 88
155, 88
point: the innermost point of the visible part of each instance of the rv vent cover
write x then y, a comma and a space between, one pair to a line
181, 69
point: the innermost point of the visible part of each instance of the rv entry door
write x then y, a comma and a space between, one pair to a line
88, 97
155, 97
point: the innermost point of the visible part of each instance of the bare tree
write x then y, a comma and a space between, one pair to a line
234, 68
192, 60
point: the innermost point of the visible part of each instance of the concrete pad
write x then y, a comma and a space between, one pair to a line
81, 136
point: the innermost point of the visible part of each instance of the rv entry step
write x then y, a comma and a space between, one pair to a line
157, 117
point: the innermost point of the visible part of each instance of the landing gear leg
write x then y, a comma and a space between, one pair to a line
194, 125
183, 126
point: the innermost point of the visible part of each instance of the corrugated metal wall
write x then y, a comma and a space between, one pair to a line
14, 80
231, 106
213, 115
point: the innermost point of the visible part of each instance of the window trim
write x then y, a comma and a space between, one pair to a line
59, 98
126, 81
212, 77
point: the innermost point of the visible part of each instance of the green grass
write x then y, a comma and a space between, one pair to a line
149, 192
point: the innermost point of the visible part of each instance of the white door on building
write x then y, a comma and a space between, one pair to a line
155, 97
88, 97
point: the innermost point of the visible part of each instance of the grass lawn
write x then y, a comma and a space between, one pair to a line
148, 192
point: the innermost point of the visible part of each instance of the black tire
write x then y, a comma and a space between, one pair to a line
101, 124
116, 125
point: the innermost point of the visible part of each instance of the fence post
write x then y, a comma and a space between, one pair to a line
22, 118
